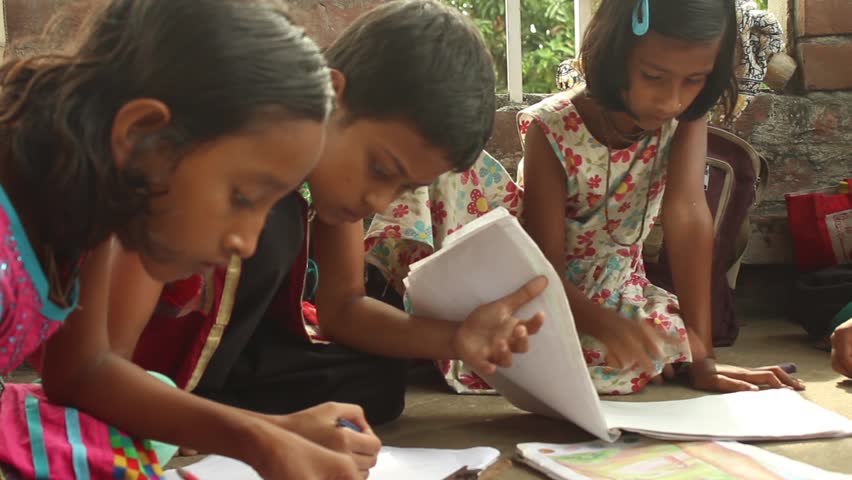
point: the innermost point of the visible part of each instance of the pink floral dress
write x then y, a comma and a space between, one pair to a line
608, 272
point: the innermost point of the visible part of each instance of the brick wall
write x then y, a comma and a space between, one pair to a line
823, 30
805, 134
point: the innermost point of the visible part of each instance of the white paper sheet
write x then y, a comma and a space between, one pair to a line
487, 259
429, 464
215, 467
393, 464
493, 256
763, 415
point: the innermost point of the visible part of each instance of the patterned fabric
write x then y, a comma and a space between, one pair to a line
133, 459
568, 75
760, 37
418, 222
42, 440
27, 315
608, 273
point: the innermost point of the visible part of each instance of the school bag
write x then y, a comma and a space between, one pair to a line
734, 180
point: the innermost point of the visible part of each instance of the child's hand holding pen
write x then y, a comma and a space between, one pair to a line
339, 427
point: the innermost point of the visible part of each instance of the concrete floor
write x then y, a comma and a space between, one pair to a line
436, 418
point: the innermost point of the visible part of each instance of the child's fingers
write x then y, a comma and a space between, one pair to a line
728, 384
642, 349
490, 358
785, 377
650, 342
763, 377
529, 291
614, 360
365, 447
505, 355
484, 366
534, 324
519, 343
353, 413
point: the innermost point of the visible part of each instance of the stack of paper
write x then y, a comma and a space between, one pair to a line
493, 256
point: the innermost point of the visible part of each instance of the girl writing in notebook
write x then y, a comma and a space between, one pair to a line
172, 129
601, 164
239, 335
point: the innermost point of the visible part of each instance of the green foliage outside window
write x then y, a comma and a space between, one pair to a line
547, 37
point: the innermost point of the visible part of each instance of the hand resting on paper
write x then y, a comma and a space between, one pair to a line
841, 349
629, 344
319, 424
708, 375
491, 333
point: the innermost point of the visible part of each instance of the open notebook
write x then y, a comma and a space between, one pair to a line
634, 457
393, 464
493, 256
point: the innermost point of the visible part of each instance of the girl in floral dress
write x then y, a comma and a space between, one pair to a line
602, 163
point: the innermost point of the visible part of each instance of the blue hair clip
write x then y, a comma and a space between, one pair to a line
641, 24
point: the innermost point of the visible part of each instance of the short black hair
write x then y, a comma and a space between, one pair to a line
425, 63
610, 39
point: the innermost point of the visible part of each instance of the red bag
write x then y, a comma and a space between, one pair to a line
821, 226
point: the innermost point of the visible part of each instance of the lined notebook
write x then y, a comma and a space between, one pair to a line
493, 256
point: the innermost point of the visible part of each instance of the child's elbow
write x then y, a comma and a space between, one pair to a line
61, 379
694, 220
58, 390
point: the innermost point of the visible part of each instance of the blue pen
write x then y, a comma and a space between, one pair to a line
342, 422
